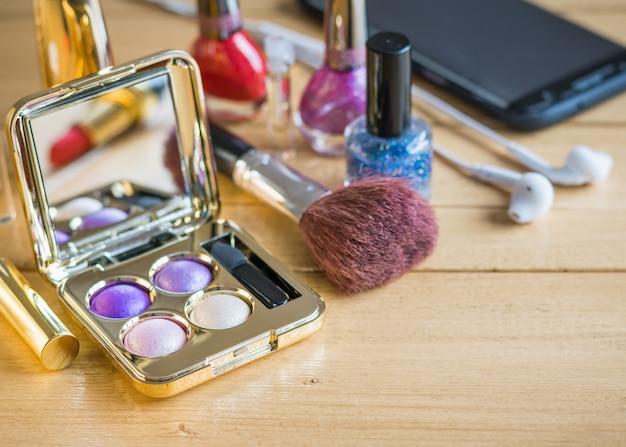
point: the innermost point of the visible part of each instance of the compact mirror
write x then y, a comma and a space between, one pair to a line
120, 201
103, 160
120, 160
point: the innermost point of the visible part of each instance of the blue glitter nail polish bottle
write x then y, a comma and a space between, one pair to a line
387, 140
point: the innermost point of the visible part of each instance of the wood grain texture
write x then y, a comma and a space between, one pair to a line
507, 336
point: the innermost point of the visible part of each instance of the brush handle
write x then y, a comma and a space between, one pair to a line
262, 175
227, 148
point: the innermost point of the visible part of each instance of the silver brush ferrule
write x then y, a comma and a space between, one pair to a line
276, 183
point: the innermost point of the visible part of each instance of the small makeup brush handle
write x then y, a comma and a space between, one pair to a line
264, 176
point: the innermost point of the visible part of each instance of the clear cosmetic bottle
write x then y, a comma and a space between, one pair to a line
280, 57
335, 94
388, 140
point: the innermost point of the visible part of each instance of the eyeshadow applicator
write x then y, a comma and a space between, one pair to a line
235, 262
362, 236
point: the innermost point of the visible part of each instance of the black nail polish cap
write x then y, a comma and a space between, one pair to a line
388, 84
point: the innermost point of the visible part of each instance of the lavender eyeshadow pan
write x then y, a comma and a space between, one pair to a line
183, 276
102, 218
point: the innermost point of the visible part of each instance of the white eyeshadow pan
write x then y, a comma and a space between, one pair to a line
220, 311
78, 207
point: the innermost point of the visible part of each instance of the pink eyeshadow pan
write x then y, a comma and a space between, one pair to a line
154, 337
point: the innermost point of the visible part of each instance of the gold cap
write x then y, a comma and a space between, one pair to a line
72, 39
32, 318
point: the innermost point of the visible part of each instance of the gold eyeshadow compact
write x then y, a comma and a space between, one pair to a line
119, 189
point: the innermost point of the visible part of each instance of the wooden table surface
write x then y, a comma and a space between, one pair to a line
508, 335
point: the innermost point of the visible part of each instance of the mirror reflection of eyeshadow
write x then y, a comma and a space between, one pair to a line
183, 276
220, 311
61, 236
102, 218
154, 337
78, 207
120, 300
142, 200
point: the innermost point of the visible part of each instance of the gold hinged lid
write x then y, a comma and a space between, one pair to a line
114, 161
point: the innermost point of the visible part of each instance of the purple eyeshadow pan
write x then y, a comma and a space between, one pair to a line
183, 276
102, 218
153, 337
120, 300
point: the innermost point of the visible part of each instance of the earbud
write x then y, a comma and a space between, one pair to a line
532, 196
532, 193
583, 165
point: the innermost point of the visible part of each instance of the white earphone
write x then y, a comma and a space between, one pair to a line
532, 193
583, 165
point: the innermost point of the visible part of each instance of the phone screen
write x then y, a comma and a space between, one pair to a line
507, 54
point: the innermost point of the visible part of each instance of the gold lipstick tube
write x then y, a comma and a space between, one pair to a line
118, 111
32, 318
72, 39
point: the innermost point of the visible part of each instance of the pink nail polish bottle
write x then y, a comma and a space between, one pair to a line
335, 94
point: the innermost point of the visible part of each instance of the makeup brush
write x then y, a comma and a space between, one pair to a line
362, 236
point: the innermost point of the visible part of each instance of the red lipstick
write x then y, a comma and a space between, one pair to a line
107, 118
70, 146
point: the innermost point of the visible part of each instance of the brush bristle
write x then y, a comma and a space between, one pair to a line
369, 233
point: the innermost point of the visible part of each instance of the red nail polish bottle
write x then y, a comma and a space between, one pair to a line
232, 65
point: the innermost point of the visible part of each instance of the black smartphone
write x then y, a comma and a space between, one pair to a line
523, 64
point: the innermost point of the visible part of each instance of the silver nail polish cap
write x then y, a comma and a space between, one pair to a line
345, 27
